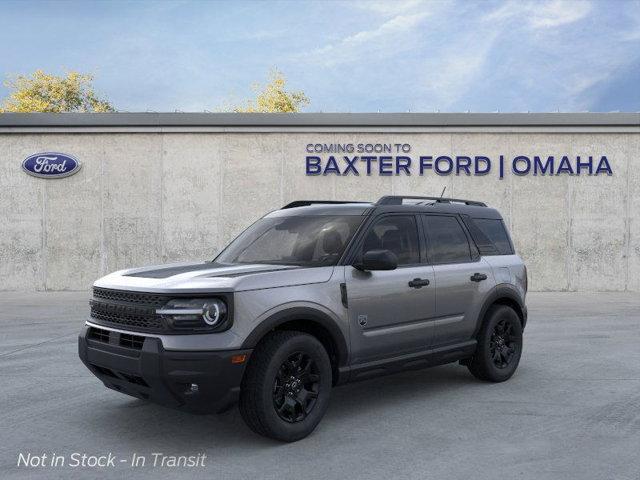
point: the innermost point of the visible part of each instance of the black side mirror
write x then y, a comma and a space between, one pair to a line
378, 260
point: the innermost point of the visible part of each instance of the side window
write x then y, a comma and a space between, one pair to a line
398, 234
495, 231
447, 241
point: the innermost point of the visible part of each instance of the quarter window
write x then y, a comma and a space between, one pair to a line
397, 233
447, 241
494, 230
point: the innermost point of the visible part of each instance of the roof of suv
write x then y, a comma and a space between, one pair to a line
472, 208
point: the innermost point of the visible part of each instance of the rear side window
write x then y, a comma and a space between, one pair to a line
493, 234
398, 234
447, 241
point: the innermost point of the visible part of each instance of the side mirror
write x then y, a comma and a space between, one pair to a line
378, 260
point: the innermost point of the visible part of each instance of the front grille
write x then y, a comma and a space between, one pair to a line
127, 318
128, 311
138, 298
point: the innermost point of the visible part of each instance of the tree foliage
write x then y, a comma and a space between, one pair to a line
274, 98
42, 92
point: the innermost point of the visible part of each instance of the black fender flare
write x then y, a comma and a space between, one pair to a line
301, 314
502, 291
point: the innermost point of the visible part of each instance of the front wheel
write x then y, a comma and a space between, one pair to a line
285, 390
499, 345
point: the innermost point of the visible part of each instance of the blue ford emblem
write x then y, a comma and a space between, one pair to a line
51, 165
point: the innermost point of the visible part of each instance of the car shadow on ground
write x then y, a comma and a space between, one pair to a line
134, 421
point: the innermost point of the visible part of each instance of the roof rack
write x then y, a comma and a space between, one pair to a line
306, 203
397, 200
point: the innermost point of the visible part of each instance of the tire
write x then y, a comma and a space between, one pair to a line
272, 402
499, 345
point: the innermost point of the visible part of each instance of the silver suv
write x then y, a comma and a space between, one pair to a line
313, 295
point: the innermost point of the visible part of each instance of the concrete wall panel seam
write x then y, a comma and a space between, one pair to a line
283, 171
163, 250
569, 205
44, 259
628, 226
103, 247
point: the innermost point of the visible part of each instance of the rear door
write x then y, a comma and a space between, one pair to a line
462, 278
390, 313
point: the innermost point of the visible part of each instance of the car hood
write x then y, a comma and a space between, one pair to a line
211, 277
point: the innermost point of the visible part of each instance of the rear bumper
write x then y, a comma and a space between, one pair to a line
139, 366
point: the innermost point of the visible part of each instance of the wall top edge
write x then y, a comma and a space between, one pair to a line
612, 129
337, 120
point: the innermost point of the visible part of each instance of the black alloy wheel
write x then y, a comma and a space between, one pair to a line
499, 346
286, 386
296, 387
502, 344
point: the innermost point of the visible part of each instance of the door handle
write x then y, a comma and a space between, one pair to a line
418, 282
478, 277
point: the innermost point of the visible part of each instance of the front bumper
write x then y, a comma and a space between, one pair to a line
139, 366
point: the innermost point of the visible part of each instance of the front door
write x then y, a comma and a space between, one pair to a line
391, 312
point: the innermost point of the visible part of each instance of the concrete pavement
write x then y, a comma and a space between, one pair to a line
572, 411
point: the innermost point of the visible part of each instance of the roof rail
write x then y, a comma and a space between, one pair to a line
306, 203
397, 200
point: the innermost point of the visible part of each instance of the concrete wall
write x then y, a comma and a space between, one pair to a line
145, 198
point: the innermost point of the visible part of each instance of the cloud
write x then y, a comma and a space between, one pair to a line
387, 8
558, 62
450, 74
393, 36
453, 69
557, 12
541, 15
632, 14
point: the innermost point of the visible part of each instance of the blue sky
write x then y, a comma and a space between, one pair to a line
359, 56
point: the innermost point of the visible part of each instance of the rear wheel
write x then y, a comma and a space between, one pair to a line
499, 345
285, 390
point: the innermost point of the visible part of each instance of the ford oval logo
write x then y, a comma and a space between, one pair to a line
51, 165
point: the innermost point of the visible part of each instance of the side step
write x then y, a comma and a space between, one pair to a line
412, 361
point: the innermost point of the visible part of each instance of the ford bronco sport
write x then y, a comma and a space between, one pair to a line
313, 295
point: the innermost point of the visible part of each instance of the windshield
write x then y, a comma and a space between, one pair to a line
309, 241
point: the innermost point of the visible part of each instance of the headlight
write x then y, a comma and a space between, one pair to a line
206, 314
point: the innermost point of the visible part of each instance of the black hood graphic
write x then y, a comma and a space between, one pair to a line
225, 270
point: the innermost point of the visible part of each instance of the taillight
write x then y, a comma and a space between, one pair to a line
526, 279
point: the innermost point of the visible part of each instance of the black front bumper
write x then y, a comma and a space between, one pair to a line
139, 366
